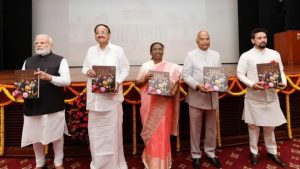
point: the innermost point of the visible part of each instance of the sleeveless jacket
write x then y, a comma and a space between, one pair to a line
51, 97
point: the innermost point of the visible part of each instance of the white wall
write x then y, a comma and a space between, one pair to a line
135, 24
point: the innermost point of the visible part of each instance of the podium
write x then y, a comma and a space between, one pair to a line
288, 45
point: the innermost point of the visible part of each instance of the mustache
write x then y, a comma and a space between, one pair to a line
101, 36
263, 43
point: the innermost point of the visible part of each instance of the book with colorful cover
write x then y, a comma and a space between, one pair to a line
26, 85
104, 81
215, 80
159, 84
269, 74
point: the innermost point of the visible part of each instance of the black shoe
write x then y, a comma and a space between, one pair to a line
254, 159
196, 163
276, 159
214, 161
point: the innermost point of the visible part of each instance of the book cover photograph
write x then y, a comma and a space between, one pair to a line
104, 81
269, 74
26, 85
159, 84
215, 79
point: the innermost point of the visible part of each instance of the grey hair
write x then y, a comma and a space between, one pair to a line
49, 38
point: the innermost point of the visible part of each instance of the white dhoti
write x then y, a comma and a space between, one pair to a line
44, 129
106, 141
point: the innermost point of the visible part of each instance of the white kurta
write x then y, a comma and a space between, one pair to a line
261, 107
112, 55
106, 113
49, 127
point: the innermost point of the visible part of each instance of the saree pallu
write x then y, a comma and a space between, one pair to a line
159, 117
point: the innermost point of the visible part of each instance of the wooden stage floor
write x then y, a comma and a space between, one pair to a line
7, 76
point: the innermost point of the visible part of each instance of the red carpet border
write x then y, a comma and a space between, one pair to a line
235, 157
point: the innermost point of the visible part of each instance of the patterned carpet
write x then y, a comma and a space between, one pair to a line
230, 157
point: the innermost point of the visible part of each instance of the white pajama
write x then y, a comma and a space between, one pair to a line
39, 152
269, 138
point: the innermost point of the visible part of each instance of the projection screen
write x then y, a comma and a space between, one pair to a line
135, 24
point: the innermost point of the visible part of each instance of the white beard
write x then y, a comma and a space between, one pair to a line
43, 51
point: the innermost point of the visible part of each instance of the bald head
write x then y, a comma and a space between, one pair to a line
202, 32
203, 40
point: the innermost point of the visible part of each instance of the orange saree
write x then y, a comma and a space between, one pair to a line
159, 116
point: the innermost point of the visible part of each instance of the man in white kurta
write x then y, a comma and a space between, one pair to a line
200, 100
105, 109
261, 106
42, 125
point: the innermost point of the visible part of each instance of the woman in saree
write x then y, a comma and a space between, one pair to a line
159, 114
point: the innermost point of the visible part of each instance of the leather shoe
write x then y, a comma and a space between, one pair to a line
214, 161
254, 159
276, 159
196, 163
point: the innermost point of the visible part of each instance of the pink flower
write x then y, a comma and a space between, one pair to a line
150, 89
102, 89
25, 95
206, 85
15, 93
216, 88
158, 91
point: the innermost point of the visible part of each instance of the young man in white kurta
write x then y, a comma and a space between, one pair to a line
261, 106
105, 109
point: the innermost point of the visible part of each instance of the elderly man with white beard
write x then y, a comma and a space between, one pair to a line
44, 118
